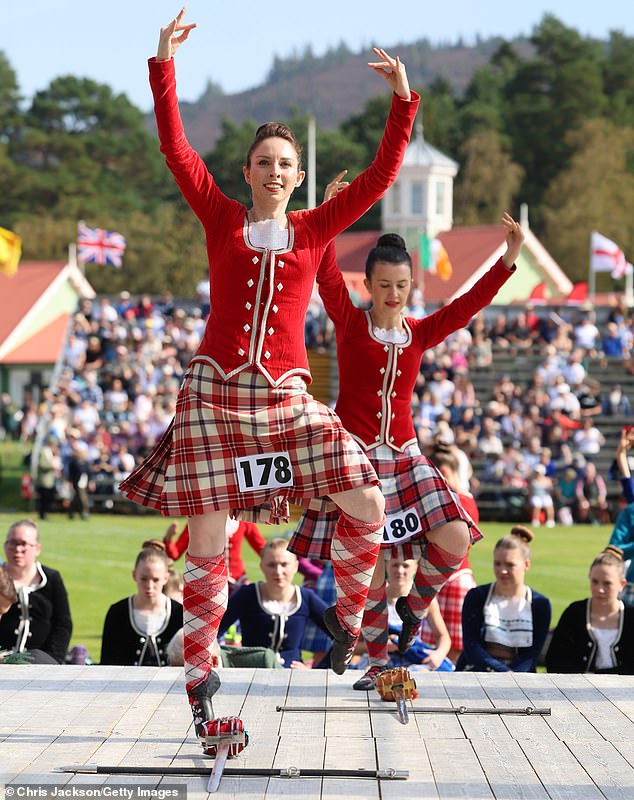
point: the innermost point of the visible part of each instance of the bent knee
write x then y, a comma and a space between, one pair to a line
454, 537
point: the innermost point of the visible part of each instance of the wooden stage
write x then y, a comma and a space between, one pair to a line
54, 716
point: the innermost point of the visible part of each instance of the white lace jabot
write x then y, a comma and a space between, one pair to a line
393, 335
266, 233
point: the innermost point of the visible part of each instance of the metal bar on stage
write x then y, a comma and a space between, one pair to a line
272, 772
526, 710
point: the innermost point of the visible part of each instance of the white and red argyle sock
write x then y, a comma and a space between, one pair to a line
204, 603
353, 552
375, 626
434, 568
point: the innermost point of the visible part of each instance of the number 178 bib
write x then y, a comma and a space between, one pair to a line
264, 471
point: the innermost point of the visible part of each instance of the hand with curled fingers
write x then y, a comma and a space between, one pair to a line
514, 239
172, 37
336, 185
393, 70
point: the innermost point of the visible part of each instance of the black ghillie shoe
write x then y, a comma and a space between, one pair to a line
411, 625
343, 642
367, 682
200, 700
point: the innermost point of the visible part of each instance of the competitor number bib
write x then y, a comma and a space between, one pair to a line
401, 526
264, 471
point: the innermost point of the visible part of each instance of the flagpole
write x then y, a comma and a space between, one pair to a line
629, 286
591, 274
311, 165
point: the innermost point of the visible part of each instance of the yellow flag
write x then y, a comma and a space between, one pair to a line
10, 251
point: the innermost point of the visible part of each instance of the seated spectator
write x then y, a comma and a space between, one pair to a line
592, 497
613, 341
380, 631
273, 612
540, 497
315, 640
237, 531
566, 495
451, 596
505, 623
596, 634
39, 621
138, 629
616, 403
588, 440
587, 335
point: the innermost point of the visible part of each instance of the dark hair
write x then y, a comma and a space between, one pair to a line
390, 247
270, 130
443, 455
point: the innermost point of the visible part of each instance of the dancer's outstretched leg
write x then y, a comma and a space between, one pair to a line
204, 603
354, 551
443, 553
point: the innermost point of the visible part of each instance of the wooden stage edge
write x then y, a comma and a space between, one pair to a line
54, 716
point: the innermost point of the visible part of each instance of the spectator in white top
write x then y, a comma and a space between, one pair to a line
564, 400
442, 387
574, 372
587, 335
589, 439
489, 442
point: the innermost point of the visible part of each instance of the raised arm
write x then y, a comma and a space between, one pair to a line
347, 206
187, 167
435, 328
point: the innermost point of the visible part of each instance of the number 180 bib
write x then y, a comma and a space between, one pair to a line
401, 526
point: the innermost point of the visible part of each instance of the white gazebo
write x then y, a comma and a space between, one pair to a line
421, 199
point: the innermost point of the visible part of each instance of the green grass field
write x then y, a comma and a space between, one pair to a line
96, 556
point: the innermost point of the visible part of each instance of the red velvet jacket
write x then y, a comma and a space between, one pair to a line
376, 379
258, 298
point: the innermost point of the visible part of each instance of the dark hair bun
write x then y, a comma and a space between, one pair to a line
391, 240
522, 532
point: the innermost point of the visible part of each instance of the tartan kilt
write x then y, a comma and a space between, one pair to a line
450, 600
192, 468
406, 481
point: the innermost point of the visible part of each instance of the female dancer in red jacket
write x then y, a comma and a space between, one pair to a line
379, 353
247, 438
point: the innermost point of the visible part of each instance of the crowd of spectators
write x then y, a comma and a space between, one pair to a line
124, 360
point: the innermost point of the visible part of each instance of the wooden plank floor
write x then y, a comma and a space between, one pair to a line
54, 716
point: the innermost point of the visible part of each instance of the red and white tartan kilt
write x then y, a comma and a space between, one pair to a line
450, 599
407, 480
192, 468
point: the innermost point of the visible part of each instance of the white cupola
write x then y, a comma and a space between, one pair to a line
421, 199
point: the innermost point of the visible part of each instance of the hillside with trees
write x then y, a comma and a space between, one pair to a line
548, 121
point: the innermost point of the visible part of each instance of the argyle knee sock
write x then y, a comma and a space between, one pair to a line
354, 551
434, 568
375, 626
204, 603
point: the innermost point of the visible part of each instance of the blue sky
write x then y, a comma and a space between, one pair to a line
235, 42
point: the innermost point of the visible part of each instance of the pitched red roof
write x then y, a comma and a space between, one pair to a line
43, 347
19, 293
353, 248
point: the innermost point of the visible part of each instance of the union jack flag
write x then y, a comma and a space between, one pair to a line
99, 246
